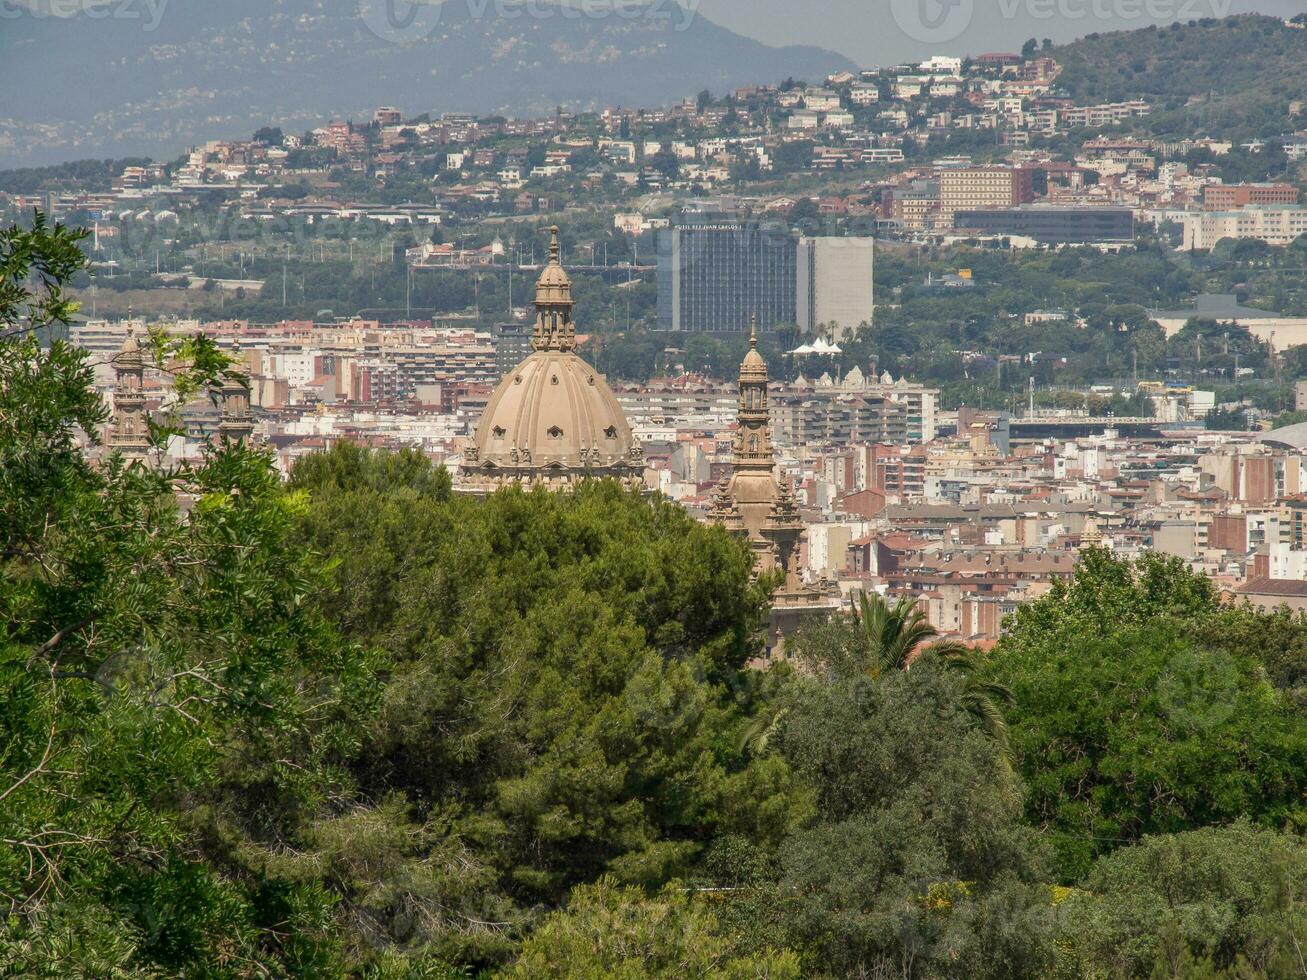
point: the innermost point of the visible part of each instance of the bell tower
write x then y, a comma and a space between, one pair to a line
129, 433
236, 424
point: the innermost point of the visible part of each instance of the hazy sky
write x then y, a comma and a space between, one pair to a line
875, 32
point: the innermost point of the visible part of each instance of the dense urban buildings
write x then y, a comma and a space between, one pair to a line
852, 526
771, 205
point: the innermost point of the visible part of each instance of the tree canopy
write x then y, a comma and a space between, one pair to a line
355, 724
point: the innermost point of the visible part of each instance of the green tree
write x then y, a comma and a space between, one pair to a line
1126, 723
917, 854
882, 639
1221, 896
169, 714
608, 931
568, 687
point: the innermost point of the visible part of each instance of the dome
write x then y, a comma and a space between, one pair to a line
753, 367
553, 412
553, 419
131, 348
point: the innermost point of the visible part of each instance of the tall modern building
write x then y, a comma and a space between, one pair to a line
717, 270
835, 283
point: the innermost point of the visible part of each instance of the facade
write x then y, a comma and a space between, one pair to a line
1051, 225
855, 412
553, 420
835, 283
1280, 224
973, 188
915, 210
715, 270
1228, 197
512, 345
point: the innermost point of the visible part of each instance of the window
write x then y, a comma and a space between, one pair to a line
499, 432
611, 432
555, 432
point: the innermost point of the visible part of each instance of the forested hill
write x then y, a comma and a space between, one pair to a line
1234, 77
220, 70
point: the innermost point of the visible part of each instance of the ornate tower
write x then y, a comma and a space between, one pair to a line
554, 329
236, 424
753, 503
129, 433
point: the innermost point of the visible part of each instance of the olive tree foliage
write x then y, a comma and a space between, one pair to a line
914, 861
610, 932
1220, 901
168, 713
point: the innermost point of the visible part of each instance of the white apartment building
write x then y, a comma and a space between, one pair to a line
1273, 224
835, 283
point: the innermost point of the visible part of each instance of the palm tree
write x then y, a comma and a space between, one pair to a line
891, 635
894, 637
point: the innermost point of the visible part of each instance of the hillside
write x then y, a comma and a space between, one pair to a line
115, 87
1233, 78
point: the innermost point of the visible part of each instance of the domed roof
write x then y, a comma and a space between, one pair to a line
553, 419
553, 410
131, 348
554, 288
753, 367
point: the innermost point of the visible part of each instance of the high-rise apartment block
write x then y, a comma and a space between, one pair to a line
717, 271
835, 283
974, 188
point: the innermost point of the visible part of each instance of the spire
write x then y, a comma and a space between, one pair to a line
753, 368
554, 329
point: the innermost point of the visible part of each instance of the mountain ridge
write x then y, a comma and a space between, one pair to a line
210, 71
